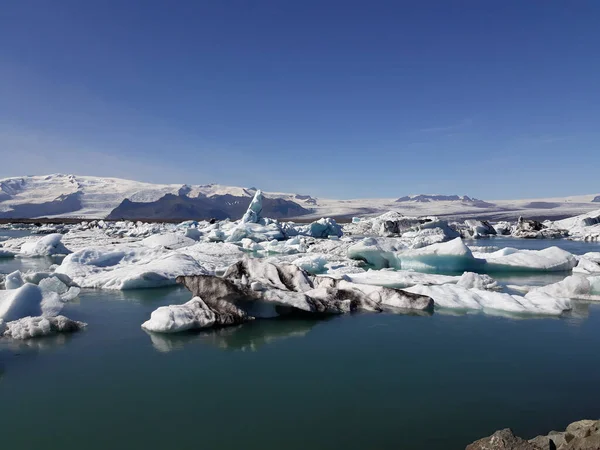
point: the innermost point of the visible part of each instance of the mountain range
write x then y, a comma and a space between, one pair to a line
90, 197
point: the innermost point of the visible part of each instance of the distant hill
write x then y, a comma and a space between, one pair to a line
173, 206
426, 198
87, 197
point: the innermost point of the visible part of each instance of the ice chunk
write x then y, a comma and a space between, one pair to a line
4, 253
375, 252
32, 327
452, 256
193, 233
14, 280
574, 286
194, 314
128, 267
399, 278
458, 297
552, 259
254, 209
587, 266
55, 284
478, 229
312, 264
46, 246
28, 300
472, 280
170, 241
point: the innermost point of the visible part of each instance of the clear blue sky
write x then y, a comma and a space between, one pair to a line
494, 99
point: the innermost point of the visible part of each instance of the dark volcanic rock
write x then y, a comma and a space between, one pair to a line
502, 440
596, 199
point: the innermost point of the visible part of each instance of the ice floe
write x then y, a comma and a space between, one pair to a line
128, 267
254, 288
33, 327
47, 246
459, 297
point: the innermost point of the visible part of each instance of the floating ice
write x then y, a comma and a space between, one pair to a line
574, 286
128, 267
46, 246
13, 280
552, 259
4, 253
378, 253
452, 256
399, 278
458, 297
254, 288
254, 209
194, 314
32, 327
28, 300
170, 241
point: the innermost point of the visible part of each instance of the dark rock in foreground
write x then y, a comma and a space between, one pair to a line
502, 440
581, 435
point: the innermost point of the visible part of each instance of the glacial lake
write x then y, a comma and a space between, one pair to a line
362, 381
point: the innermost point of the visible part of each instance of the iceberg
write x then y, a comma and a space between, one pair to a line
170, 241
192, 315
379, 253
13, 280
28, 300
458, 297
128, 267
398, 278
33, 327
4, 253
551, 259
452, 256
574, 286
254, 288
252, 215
47, 246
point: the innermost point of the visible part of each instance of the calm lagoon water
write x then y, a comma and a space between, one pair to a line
377, 381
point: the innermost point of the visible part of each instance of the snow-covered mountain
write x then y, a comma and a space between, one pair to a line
98, 197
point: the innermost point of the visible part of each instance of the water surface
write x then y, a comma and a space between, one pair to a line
379, 381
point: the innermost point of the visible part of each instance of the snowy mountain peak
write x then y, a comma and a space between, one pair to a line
424, 198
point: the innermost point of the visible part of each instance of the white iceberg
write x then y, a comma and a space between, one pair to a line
28, 300
171, 241
452, 256
13, 280
47, 246
458, 297
551, 259
192, 315
574, 286
33, 327
128, 267
399, 278
379, 253
254, 209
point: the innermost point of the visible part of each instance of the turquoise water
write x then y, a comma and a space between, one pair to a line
377, 381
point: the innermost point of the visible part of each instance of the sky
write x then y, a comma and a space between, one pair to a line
339, 99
